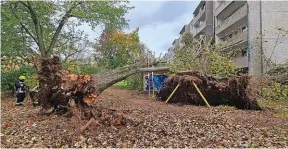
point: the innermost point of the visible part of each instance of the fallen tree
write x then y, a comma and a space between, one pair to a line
63, 91
232, 91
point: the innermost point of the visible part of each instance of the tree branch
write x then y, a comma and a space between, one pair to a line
37, 27
24, 27
60, 26
24, 4
73, 53
30, 34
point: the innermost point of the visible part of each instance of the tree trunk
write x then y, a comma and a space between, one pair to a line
57, 87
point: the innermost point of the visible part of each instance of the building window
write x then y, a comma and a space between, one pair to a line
244, 52
244, 28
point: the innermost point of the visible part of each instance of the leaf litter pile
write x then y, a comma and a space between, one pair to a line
233, 91
149, 123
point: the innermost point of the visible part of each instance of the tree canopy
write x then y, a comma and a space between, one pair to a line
118, 49
37, 27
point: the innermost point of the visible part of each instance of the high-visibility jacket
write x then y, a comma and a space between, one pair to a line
20, 87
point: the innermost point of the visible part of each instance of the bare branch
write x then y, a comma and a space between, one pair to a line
77, 51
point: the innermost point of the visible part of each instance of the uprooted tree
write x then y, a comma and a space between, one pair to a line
40, 27
232, 91
77, 94
211, 68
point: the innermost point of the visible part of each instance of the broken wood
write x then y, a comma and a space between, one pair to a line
87, 124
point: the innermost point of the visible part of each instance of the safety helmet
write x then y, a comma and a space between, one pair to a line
22, 78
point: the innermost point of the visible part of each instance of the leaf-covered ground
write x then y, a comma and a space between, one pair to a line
152, 124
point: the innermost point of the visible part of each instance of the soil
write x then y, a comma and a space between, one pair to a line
151, 124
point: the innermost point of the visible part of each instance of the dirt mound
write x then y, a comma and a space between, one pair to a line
233, 91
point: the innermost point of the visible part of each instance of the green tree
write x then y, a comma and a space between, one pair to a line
117, 49
43, 21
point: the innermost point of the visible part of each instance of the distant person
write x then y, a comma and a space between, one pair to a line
21, 91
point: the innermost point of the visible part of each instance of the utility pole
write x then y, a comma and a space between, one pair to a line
148, 73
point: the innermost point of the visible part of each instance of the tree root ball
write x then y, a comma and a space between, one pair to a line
58, 87
232, 91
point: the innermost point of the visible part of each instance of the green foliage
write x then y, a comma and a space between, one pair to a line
280, 107
78, 67
84, 69
27, 23
228, 108
8, 78
121, 84
134, 82
118, 49
275, 91
204, 57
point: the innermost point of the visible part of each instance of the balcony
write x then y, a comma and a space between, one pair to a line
176, 44
237, 39
227, 7
181, 43
241, 62
197, 30
233, 22
200, 16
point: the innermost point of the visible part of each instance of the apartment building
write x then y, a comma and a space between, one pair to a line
171, 51
267, 23
231, 20
202, 23
201, 27
185, 29
255, 28
170, 55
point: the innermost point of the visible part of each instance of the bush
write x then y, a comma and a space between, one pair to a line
134, 82
275, 91
8, 78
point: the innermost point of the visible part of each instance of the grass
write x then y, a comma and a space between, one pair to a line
278, 107
225, 107
121, 84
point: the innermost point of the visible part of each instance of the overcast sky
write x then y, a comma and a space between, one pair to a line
159, 22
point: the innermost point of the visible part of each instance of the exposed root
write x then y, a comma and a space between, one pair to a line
231, 91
